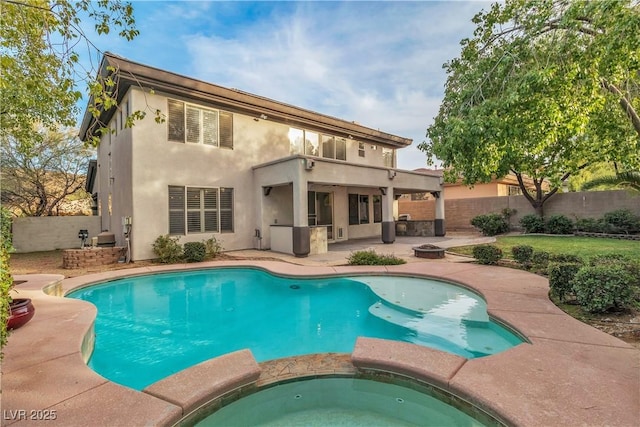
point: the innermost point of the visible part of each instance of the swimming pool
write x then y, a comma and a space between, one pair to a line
149, 327
343, 401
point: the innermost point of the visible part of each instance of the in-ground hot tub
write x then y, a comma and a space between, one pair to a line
348, 401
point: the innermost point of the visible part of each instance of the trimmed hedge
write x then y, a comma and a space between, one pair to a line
560, 279
195, 251
490, 224
532, 223
487, 254
603, 287
370, 257
522, 254
558, 224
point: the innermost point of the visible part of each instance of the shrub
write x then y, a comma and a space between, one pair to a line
5, 229
624, 261
608, 259
213, 247
589, 225
559, 224
532, 223
540, 260
370, 257
167, 249
522, 254
195, 251
6, 279
622, 220
560, 277
603, 287
490, 224
487, 254
566, 258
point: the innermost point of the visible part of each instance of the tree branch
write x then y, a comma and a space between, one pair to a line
624, 103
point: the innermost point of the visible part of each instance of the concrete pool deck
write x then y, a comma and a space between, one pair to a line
569, 374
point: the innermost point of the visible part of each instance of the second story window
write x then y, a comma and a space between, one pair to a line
193, 124
334, 147
387, 157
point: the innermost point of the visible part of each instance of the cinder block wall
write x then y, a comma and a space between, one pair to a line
459, 212
47, 233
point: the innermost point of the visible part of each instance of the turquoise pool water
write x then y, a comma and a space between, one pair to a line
338, 402
149, 327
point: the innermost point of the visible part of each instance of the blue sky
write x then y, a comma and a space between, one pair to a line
376, 63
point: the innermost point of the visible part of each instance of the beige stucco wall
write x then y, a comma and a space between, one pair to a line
478, 190
142, 171
47, 233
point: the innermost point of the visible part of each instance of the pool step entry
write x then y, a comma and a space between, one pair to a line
419, 321
394, 315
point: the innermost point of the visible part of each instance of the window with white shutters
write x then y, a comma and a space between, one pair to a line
176, 210
226, 209
226, 129
200, 210
196, 125
176, 121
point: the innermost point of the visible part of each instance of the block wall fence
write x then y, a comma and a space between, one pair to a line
48, 233
459, 212
35, 234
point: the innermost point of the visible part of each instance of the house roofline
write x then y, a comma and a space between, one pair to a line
132, 73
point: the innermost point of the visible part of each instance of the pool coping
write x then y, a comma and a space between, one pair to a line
568, 374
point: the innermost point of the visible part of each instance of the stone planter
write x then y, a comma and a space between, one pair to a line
89, 257
428, 251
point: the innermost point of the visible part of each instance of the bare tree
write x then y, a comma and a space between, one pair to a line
36, 179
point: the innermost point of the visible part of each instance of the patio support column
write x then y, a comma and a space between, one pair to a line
301, 235
439, 226
388, 223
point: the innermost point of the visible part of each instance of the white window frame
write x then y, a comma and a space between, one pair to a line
202, 209
388, 157
202, 139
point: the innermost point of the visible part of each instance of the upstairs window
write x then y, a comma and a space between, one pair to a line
361, 149
196, 125
334, 147
387, 157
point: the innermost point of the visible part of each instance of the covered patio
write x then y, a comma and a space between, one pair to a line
305, 202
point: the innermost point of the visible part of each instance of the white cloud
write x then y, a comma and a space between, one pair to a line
377, 63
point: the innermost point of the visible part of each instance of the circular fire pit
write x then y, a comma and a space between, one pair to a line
428, 251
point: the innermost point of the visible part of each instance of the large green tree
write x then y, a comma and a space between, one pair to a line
41, 76
542, 89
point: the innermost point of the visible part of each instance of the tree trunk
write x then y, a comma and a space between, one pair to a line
537, 200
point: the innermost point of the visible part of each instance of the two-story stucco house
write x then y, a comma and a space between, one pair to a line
251, 171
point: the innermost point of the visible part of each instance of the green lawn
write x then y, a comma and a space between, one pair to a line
585, 247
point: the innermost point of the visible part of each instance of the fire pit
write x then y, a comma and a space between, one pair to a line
428, 251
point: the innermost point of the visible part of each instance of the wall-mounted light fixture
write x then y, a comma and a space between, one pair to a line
350, 137
83, 235
383, 191
266, 190
392, 174
264, 116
